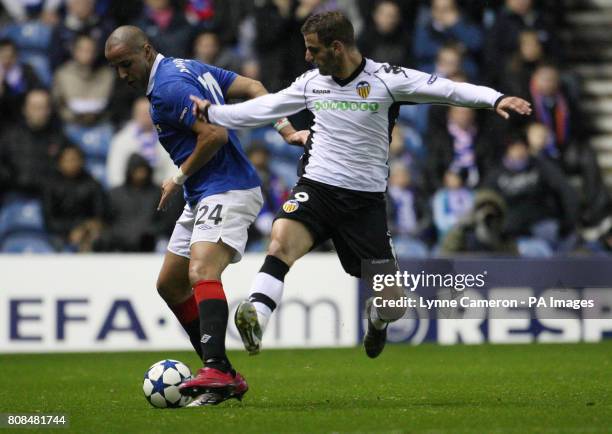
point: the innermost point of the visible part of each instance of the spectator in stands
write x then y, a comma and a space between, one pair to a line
481, 231
448, 65
449, 61
275, 193
566, 146
224, 17
166, 27
82, 88
446, 24
386, 40
201, 12
74, 203
134, 223
138, 136
462, 146
276, 46
28, 148
80, 19
207, 48
305, 8
451, 203
408, 13
521, 65
407, 146
16, 80
409, 214
503, 37
538, 138
541, 203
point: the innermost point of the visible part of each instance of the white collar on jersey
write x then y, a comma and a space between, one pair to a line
158, 59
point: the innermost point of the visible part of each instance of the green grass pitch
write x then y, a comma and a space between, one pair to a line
554, 388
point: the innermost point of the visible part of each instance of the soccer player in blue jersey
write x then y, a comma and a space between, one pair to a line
221, 189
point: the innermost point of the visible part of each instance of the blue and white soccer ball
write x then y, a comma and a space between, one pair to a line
162, 381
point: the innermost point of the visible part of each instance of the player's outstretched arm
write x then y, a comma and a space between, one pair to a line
417, 86
247, 88
283, 126
210, 138
263, 110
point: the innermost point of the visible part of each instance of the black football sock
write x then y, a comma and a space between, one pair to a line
213, 312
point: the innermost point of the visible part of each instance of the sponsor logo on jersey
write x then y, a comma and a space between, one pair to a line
363, 89
290, 206
432, 79
346, 105
321, 91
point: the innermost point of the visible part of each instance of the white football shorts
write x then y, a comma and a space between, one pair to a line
224, 216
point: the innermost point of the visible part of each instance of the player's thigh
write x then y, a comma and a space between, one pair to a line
180, 240
173, 281
290, 240
208, 260
304, 221
364, 236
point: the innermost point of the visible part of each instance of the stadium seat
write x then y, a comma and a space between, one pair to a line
275, 143
93, 140
27, 242
31, 35
97, 168
40, 63
32, 39
21, 214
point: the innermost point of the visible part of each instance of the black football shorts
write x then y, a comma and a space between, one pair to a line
355, 221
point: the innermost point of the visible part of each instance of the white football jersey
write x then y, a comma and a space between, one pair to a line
353, 118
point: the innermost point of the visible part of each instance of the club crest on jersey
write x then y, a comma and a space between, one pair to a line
363, 89
290, 206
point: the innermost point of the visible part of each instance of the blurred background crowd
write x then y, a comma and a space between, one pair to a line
80, 164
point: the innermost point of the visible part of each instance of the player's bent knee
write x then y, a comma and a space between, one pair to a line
170, 292
290, 240
281, 251
200, 270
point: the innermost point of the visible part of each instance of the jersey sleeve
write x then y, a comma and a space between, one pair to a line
224, 77
262, 110
408, 85
174, 106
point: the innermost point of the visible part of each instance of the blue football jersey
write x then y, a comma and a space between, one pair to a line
172, 83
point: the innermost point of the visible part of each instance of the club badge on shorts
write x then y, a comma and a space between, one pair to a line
290, 206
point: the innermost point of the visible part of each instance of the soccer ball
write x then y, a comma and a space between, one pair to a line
162, 381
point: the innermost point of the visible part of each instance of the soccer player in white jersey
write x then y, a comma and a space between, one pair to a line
343, 175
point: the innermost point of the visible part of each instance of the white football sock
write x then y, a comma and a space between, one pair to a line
270, 287
378, 323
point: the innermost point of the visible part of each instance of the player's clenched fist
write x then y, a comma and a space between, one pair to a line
200, 107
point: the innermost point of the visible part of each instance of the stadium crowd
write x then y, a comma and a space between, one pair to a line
80, 164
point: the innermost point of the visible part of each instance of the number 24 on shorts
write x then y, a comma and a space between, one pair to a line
215, 214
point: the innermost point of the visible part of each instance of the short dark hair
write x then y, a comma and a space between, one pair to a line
330, 27
7, 42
